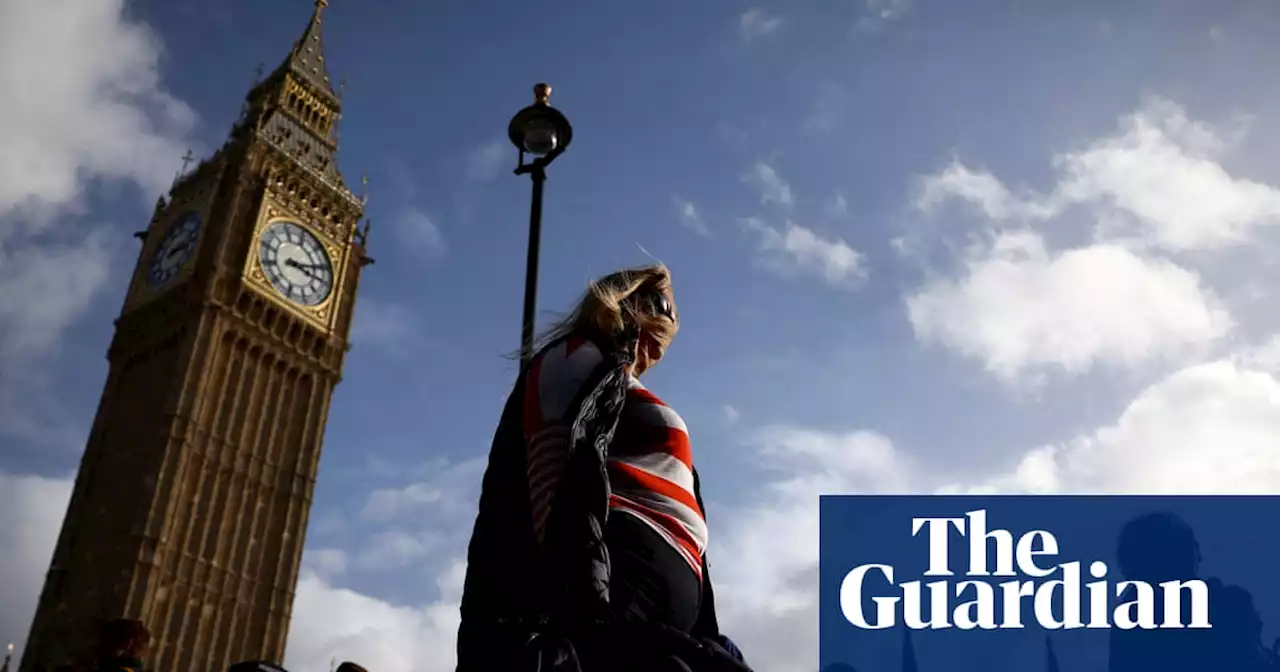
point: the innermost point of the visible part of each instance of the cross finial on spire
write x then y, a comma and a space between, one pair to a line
186, 161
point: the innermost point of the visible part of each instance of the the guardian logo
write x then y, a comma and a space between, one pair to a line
1051, 592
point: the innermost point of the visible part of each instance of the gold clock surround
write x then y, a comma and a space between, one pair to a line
322, 314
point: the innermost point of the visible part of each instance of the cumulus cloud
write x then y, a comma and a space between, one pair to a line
1157, 179
795, 250
1149, 192
93, 109
332, 622
770, 185
1207, 428
31, 511
440, 484
1017, 306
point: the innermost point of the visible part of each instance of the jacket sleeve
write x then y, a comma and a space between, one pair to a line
706, 625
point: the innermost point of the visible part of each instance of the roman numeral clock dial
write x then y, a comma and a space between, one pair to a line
296, 264
174, 250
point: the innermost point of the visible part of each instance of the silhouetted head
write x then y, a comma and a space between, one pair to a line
124, 637
1234, 614
1158, 547
349, 666
632, 305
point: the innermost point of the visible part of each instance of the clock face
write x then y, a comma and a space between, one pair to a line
175, 249
296, 264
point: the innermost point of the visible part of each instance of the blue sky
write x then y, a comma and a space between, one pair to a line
916, 245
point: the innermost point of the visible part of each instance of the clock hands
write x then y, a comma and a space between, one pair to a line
308, 269
176, 251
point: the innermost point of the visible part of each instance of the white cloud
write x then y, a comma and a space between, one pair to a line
983, 190
1154, 187
754, 24
731, 414
487, 161
31, 511
388, 504
1209, 428
770, 185
690, 217
1156, 180
442, 485
94, 107
1016, 306
327, 563
416, 229
1265, 357
795, 250
331, 622
391, 550
1161, 171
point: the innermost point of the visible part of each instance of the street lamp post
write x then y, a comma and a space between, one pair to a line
544, 133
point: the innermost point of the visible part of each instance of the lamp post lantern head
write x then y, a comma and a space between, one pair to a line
539, 129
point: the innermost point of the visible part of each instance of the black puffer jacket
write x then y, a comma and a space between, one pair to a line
523, 609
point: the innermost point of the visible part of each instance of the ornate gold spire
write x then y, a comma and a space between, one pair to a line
307, 57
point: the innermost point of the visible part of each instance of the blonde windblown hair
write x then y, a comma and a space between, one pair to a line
603, 312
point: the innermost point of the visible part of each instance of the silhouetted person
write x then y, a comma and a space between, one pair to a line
123, 645
1161, 547
1237, 627
1154, 548
349, 666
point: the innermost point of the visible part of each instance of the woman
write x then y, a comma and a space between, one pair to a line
590, 511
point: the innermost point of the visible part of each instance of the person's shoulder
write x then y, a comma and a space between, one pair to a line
559, 372
571, 354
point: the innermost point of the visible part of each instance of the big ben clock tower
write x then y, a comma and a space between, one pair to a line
190, 505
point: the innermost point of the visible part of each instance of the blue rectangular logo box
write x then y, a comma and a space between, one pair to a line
1049, 584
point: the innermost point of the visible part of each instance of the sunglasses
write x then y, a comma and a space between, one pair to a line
657, 303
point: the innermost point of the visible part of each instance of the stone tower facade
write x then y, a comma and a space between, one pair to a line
190, 506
